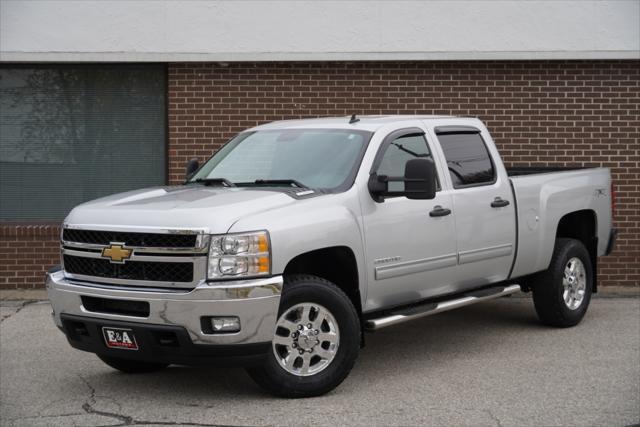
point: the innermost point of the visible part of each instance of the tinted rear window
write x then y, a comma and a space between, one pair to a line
468, 159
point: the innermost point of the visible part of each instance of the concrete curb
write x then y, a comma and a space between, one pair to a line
23, 294
618, 291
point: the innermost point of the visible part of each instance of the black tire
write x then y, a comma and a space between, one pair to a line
300, 289
548, 286
132, 366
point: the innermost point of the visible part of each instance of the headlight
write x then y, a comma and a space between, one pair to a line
239, 255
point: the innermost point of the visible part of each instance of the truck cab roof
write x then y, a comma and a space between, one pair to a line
368, 123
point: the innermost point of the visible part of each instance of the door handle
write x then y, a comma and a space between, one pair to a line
439, 211
499, 203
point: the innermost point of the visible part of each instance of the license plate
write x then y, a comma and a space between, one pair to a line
120, 338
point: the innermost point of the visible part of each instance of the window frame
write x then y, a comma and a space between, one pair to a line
466, 130
399, 133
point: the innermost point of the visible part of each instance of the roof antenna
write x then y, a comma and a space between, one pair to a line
354, 119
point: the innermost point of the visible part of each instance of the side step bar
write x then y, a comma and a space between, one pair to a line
428, 309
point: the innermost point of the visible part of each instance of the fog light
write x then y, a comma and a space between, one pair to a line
225, 324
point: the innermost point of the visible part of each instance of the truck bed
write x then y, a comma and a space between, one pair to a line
533, 170
543, 196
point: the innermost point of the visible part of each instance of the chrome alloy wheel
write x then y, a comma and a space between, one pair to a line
574, 283
306, 339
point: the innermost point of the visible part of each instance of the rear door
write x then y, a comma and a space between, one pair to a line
483, 205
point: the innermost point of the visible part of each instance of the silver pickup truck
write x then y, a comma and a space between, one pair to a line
297, 237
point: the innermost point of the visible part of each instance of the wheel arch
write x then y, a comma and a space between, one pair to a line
336, 264
582, 225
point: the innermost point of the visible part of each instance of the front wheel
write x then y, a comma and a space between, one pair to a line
562, 293
316, 340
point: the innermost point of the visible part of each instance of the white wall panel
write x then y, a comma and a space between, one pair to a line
169, 30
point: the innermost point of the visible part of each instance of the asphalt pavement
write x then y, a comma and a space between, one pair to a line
487, 365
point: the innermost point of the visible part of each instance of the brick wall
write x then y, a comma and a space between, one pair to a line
567, 113
26, 252
539, 112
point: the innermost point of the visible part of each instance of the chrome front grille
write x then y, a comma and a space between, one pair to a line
103, 237
163, 259
132, 270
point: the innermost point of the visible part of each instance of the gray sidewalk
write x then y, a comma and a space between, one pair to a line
490, 365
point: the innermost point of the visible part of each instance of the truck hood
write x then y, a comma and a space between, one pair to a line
212, 209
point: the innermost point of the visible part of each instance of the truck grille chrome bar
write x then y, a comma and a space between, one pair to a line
133, 270
155, 240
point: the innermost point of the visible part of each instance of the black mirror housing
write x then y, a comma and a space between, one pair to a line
419, 182
192, 166
378, 187
420, 179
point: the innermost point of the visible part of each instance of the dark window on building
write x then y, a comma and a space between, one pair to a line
69, 134
468, 159
398, 153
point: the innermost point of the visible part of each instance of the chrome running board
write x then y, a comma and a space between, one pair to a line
405, 315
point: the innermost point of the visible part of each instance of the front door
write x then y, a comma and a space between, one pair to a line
410, 244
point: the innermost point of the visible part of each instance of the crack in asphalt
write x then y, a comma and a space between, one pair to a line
20, 307
88, 405
493, 417
127, 420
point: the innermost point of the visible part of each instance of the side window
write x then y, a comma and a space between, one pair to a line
396, 155
468, 159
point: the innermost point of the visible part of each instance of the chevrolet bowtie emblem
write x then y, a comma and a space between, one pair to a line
117, 253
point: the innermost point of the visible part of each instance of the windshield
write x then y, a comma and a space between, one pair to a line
313, 158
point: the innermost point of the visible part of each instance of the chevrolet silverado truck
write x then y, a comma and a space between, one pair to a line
297, 237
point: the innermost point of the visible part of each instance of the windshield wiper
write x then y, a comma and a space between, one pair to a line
208, 181
289, 182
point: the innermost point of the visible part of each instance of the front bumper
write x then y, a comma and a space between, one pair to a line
159, 344
255, 302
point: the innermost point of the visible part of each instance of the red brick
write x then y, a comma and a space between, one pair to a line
580, 113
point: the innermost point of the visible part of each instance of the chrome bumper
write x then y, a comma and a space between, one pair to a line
255, 302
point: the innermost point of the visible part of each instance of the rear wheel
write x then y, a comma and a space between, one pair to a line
132, 366
561, 294
316, 340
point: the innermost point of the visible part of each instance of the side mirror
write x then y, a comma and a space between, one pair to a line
420, 179
192, 166
419, 182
